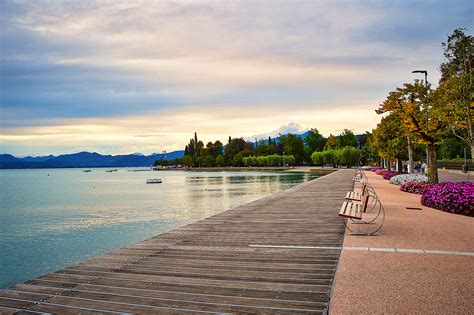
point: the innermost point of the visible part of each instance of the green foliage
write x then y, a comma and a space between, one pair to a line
269, 160
314, 141
209, 161
331, 143
293, 145
347, 138
220, 161
389, 139
237, 160
456, 85
317, 158
329, 157
234, 147
347, 156
214, 149
265, 149
187, 160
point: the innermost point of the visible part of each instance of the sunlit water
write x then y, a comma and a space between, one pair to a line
52, 218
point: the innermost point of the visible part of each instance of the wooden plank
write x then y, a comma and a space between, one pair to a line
209, 266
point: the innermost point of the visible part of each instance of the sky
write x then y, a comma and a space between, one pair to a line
118, 77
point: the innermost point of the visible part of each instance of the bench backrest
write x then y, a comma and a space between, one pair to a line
365, 201
365, 189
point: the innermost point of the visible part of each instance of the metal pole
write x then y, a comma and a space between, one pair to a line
427, 121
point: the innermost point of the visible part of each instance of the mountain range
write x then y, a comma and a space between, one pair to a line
85, 159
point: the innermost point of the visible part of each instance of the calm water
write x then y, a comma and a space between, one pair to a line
52, 218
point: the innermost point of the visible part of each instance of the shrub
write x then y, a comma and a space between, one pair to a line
451, 197
317, 158
380, 171
329, 157
408, 178
415, 187
390, 174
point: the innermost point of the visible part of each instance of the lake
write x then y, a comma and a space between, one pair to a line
53, 218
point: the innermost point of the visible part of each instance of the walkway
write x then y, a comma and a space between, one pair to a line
421, 262
453, 176
232, 262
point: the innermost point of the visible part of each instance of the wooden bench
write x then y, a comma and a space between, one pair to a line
354, 210
356, 196
356, 205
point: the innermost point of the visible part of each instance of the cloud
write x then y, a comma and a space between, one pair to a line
292, 127
126, 75
171, 130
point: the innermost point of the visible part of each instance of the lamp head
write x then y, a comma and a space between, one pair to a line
420, 71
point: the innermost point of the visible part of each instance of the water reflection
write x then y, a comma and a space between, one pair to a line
71, 215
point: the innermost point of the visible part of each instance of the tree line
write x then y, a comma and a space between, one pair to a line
289, 149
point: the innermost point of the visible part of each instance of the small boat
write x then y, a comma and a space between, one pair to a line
86, 171
110, 171
154, 181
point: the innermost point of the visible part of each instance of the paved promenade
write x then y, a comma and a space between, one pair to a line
421, 262
274, 255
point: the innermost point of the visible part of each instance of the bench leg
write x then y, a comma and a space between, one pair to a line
373, 226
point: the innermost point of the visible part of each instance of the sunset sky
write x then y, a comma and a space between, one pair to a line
142, 76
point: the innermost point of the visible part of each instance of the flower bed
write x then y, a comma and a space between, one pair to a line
389, 174
415, 187
374, 169
380, 171
451, 197
408, 178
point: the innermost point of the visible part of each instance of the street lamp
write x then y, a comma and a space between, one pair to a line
425, 73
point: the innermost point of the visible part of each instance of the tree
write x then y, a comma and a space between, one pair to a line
317, 158
348, 156
235, 146
331, 143
217, 149
456, 85
220, 161
209, 160
264, 149
314, 140
420, 113
293, 145
347, 138
329, 157
452, 148
389, 139
237, 159
369, 153
187, 160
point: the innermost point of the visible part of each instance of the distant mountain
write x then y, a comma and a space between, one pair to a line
37, 158
85, 159
7, 158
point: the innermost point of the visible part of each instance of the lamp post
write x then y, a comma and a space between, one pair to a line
426, 85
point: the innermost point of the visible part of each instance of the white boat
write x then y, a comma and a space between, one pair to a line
154, 181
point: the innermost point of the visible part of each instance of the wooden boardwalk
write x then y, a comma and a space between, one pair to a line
225, 263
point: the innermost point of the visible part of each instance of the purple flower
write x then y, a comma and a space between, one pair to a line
450, 197
415, 187
390, 174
